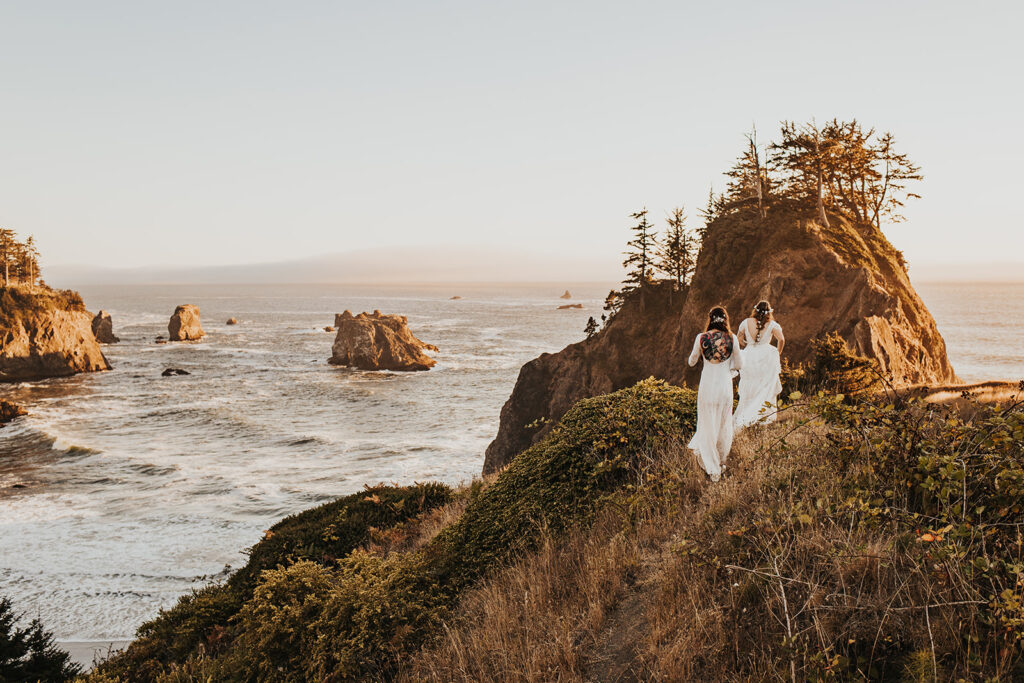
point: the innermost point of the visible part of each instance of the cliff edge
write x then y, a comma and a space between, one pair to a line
846, 277
45, 333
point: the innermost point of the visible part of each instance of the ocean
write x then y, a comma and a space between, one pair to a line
123, 490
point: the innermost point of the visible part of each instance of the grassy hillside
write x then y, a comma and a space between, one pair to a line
854, 539
352, 591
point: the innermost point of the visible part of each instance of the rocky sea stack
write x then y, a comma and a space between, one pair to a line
845, 278
103, 328
45, 333
9, 411
184, 324
378, 342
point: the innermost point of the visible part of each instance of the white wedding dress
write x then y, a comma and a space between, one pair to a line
759, 379
713, 439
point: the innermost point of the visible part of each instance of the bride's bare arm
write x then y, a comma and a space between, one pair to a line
777, 333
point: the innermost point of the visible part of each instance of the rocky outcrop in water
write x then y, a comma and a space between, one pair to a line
45, 333
103, 328
566, 295
232, 321
846, 278
565, 307
174, 372
185, 325
9, 411
378, 342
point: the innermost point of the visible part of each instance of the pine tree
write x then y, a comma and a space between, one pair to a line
612, 303
591, 329
7, 253
749, 177
676, 250
640, 254
888, 194
708, 214
29, 653
31, 260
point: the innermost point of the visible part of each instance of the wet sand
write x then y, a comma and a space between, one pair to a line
88, 652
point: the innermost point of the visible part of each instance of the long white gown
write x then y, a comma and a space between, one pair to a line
759, 380
713, 439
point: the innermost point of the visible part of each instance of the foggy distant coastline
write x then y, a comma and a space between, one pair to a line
438, 265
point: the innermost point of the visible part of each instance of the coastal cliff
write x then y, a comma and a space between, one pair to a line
46, 333
846, 278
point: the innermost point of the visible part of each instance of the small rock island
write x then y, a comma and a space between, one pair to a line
103, 328
184, 324
378, 342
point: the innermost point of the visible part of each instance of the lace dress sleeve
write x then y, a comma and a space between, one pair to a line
695, 354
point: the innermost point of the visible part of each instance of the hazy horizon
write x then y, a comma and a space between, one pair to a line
438, 266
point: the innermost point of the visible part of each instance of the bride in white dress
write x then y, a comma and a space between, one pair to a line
721, 353
759, 381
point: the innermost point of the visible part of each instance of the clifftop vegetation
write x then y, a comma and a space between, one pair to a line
19, 261
854, 539
839, 169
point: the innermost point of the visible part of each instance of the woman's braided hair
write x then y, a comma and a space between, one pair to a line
762, 314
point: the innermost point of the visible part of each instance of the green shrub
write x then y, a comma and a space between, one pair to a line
17, 303
834, 369
203, 621
557, 483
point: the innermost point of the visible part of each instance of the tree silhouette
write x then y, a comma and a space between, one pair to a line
29, 654
675, 253
640, 254
7, 253
749, 177
591, 329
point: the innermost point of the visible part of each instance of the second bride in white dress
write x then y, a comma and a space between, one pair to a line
759, 379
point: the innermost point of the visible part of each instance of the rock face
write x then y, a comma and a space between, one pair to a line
184, 324
378, 342
46, 334
845, 278
103, 328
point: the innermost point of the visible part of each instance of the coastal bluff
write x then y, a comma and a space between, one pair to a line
845, 277
46, 333
375, 341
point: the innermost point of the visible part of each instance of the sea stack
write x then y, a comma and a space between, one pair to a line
46, 333
843, 277
232, 321
9, 411
378, 342
566, 295
184, 324
103, 328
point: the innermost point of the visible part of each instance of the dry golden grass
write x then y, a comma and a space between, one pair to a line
688, 580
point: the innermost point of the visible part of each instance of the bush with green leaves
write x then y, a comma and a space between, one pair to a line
203, 622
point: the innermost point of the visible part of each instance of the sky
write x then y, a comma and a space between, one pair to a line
137, 134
